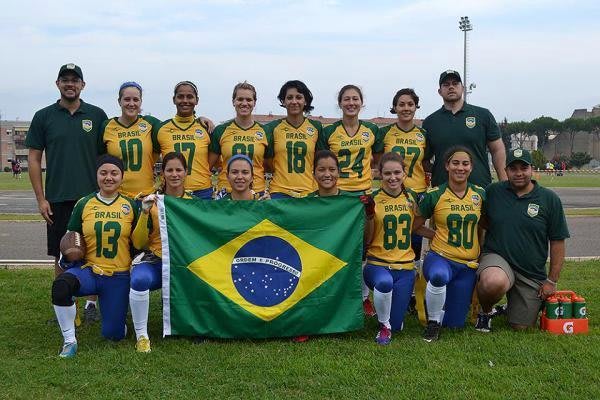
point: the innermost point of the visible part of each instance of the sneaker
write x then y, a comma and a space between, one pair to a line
499, 310
368, 308
484, 322
69, 350
91, 314
301, 339
432, 332
143, 345
384, 336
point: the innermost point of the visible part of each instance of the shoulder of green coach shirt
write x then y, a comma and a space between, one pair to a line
471, 126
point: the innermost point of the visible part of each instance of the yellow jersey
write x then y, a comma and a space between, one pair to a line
229, 139
136, 145
294, 155
354, 153
391, 244
411, 146
456, 221
188, 136
106, 229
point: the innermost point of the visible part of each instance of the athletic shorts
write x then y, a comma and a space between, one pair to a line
61, 213
523, 303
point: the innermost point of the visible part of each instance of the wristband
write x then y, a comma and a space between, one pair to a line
551, 281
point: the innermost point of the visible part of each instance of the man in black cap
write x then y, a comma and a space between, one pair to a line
522, 218
459, 123
67, 131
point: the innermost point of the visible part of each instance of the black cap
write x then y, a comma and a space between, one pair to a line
450, 72
518, 155
76, 69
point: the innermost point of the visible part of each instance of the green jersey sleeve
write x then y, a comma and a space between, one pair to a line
75, 222
215, 140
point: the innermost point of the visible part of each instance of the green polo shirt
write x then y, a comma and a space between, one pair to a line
71, 146
471, 127
520, 227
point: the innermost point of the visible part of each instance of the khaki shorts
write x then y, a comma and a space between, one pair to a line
523, 303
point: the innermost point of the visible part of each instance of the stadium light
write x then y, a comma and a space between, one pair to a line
465, 25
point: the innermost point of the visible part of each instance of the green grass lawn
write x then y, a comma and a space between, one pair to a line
570, 180
463, 364
7, 182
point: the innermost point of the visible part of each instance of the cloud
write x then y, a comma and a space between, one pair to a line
517, 49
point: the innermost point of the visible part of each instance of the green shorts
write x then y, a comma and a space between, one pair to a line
523, 303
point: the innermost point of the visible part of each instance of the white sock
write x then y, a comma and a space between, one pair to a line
88, 302
139, 302
435, 297
383, 306
66, 320
365, 290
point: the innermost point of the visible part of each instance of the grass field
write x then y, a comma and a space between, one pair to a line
570, 180
462, 365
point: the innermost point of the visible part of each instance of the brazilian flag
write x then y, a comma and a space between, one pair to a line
260, 269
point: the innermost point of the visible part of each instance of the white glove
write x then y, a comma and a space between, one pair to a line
148, 202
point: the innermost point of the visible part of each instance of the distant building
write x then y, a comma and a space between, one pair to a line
523, 141
584, 142
584, 113
12, 143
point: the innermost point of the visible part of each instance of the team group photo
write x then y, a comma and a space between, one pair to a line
423, 243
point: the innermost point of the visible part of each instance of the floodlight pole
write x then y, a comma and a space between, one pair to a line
465, 25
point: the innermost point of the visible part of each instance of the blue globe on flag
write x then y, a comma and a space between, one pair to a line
266, 270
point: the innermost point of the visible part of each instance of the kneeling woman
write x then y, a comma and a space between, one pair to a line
390, 268
450, 266
146, 270
106, 220
240, 175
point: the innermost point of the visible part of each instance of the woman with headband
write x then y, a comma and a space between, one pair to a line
240, 176
190, 136
132, 138
243, 135
105, 220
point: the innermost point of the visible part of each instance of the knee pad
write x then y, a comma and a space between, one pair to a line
438, 280
64, 288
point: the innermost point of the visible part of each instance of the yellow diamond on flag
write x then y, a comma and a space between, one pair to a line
266, 270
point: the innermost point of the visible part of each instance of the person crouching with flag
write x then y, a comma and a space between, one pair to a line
146, 269
390, 268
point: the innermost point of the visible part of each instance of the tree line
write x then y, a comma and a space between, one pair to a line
545, 127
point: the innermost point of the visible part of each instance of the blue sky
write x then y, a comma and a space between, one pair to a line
527, 58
